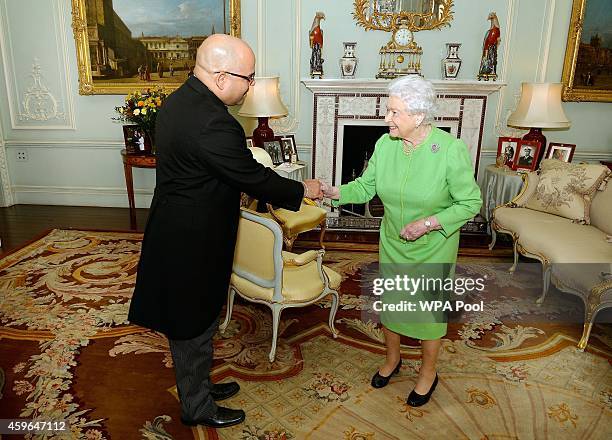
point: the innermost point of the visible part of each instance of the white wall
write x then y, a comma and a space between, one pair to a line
73, 158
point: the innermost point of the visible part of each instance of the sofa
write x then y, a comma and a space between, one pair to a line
563, 218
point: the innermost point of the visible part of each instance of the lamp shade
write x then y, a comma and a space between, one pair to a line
263, 99
540, 106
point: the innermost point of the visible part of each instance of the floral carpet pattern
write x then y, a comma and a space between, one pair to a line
68, 353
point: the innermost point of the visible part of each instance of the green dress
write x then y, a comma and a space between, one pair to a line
437, 179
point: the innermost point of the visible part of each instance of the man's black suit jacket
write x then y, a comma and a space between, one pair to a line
203, 165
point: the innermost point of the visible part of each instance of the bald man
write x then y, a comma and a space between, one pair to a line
203, 165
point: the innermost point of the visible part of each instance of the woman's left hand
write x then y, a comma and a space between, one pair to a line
417, 228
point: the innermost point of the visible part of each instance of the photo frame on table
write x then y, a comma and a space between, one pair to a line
559, 151
249, 142
134, 139
275, 150
289, 147
526, 156
123, 46
508, 146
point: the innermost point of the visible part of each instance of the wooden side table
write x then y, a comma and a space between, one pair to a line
138, 161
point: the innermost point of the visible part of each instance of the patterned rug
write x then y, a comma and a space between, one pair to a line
68, 354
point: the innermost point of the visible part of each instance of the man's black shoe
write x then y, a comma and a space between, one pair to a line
223, 418
221, 391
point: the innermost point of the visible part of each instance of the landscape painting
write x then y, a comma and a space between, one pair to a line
587, 70
123, 45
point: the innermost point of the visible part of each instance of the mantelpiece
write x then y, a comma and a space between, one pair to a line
340, 102
380, 85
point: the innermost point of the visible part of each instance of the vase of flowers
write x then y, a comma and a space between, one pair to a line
141, 109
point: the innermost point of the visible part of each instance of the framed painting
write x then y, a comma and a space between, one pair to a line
123, 45
587, 69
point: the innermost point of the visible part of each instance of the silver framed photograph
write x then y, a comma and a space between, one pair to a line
289, 148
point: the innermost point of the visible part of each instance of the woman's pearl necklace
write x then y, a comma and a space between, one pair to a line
409, 147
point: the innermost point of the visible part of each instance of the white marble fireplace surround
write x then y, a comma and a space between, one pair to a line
338, 102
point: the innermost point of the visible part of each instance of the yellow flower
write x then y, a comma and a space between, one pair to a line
144, 111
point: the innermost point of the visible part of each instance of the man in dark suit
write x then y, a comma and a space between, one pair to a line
203, 165
526, 159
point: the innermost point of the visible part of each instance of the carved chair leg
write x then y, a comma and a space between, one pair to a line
276, 311
546, 269
228, 314
332, 313
289, 242
514, 245
323, 226
493, 239
589, 317
586, 332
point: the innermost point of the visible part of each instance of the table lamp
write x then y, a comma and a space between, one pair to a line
539, 107
262, 102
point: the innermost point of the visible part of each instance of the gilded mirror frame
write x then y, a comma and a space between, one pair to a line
87, 85
387, 22
570, 64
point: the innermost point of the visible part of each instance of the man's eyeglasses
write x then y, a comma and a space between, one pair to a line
250, 78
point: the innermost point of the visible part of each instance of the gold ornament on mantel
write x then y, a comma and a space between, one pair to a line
402, 55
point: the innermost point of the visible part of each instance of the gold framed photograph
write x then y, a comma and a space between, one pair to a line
126, 45
587, 69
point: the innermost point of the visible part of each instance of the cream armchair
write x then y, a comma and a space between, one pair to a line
265, 274
293, 223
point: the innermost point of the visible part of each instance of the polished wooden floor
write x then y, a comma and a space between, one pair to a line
20, 224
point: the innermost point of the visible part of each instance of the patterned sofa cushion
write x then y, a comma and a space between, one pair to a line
566, 189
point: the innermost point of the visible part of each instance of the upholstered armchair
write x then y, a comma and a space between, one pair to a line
293, 223
265, 274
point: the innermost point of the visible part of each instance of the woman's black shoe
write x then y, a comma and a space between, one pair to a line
416, 399
379, 381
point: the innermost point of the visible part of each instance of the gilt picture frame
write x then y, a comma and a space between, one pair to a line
131, 47
588, 61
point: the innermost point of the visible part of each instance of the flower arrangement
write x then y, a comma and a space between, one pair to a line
141, 109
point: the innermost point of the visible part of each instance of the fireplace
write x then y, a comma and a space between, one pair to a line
349, 115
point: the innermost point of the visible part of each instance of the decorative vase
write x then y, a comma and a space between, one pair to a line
348, 63
452, 63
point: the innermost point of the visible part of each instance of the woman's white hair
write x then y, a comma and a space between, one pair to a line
416, 93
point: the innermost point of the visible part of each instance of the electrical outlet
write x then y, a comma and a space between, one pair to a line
22, 155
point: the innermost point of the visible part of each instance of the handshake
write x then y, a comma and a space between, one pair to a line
315, 189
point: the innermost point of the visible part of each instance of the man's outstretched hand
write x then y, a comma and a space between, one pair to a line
312, 189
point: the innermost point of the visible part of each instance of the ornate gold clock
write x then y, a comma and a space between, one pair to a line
402, 55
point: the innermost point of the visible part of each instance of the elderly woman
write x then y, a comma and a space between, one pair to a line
425, 179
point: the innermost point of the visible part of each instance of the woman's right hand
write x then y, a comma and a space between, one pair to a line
331, 192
